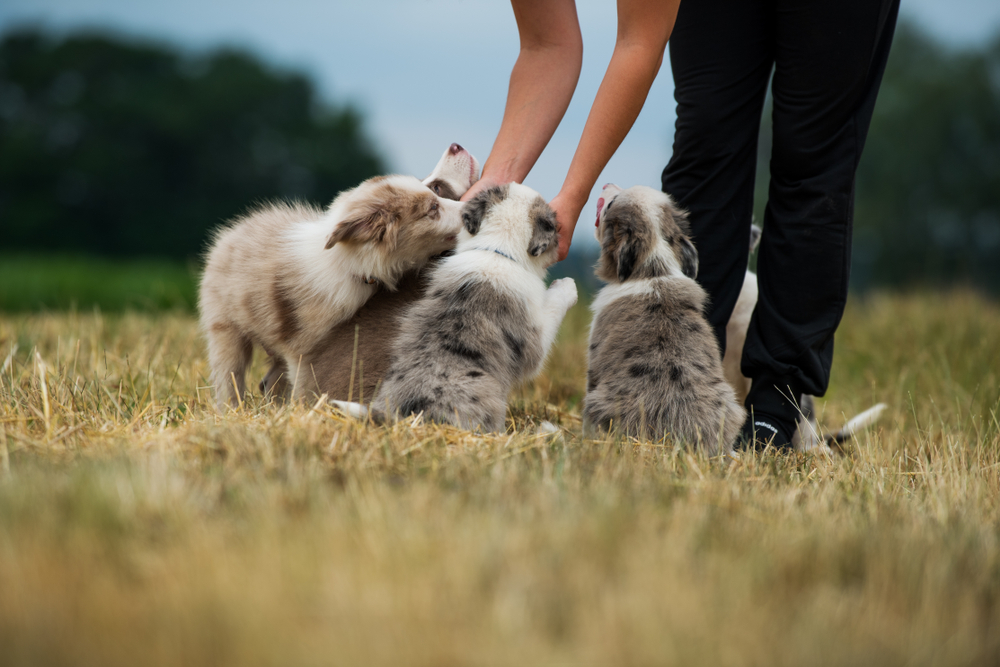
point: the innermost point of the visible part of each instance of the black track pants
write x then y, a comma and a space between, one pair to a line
828, 59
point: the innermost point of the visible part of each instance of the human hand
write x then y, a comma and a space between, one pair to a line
484, 183
567, 213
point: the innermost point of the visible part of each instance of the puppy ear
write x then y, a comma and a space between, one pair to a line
755, 232
472, 216
543, 233
689, 258
628, 254
475, 209
361, 228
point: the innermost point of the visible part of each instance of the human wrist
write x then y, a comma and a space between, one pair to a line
573, 199
502, 171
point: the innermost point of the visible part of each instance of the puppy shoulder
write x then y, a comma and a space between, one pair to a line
493, 269
615, 291
683, 292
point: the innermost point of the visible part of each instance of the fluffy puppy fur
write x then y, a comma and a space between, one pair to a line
653, 365
487, 321
807, 434
351, 360
284, 274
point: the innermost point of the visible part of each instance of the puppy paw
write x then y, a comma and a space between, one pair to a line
355, 410
563, 291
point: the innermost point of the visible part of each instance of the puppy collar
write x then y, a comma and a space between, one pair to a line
499, 252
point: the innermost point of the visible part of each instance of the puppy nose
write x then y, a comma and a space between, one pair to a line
455, 149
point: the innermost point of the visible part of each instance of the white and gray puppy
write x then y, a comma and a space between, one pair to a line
284, 274
351, 359
807, 434
487, 321
653, 362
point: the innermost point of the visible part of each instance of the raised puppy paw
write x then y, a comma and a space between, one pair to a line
563, 291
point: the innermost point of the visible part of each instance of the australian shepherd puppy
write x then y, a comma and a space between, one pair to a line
352, 358
486, 322
654, 367
284, 274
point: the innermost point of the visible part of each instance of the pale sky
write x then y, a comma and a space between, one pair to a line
430, 72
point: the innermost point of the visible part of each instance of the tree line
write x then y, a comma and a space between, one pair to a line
927, 205
124, 148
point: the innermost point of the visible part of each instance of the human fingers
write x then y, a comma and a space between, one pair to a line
484, 183
566, 216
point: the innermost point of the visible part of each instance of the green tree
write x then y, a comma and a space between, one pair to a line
928, 191
927, 204
121, 148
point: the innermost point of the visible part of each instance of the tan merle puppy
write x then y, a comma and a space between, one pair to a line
487, 321
285, 274
654, 367
352, 358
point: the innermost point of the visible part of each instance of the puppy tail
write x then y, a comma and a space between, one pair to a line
856, 425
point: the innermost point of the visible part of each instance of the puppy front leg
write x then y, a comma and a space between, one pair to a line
275, 383
297, 378
559, 298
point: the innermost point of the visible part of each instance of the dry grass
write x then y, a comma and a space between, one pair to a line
139, 527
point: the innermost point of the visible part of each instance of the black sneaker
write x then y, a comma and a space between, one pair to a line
772, 413
760, 430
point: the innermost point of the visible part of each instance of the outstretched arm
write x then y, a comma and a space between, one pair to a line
541, 87
644, 26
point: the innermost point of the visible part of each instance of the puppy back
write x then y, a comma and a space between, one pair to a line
248, 268
332, 364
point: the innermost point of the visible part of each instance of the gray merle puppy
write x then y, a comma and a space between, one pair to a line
486, 322
654, 366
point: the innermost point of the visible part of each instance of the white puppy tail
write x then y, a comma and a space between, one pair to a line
355, 410
857, 424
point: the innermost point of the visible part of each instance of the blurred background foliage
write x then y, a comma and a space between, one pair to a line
927, 207
121, 149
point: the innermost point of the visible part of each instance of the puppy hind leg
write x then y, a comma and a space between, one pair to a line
229, 355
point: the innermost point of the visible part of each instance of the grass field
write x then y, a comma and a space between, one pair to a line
139, 527
32, 283
54, 283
